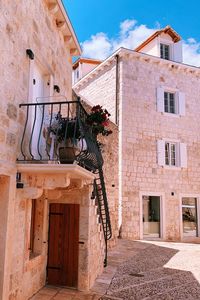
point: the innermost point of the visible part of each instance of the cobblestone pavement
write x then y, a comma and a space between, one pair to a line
149, 270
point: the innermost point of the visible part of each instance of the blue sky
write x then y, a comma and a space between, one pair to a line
102, 26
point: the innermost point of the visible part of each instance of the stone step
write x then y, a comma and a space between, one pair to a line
142, 277
153, 287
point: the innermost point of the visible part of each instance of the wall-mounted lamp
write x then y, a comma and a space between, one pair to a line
56, 88
30, 53
19, 184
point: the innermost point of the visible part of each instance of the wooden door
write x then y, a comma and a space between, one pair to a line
62, 266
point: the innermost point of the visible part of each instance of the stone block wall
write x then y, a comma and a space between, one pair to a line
100, 89
140, 126
28, 25
28, 277
110, 149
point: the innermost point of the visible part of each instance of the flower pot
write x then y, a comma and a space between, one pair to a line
67, 154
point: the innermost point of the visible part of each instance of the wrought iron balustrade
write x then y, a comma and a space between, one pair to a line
50, 124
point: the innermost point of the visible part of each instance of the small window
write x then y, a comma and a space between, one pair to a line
32, 227
36, 228
169, 102
170, 154
164, 51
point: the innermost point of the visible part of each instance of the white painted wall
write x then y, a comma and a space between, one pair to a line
153, 48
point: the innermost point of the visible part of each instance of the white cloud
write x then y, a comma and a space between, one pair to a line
191, 52
99, 46
130, 35
126, 26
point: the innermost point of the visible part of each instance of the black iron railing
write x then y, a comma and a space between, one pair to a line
48, 128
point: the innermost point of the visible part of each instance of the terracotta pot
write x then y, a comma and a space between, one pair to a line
67, 155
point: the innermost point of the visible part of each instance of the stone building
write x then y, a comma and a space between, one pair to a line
154, 99
49, 226
83, 66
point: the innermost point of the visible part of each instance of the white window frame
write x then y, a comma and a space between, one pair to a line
176, 106
181, 153
168, 45
177, 160
179, 98
162, 212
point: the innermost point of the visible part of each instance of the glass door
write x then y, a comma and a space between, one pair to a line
189, 215
151, 216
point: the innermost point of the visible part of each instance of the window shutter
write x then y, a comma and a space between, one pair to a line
160, 99
183, 155
161, 152
181, 102
178, 53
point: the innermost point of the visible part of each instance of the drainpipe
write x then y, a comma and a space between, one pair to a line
117, 89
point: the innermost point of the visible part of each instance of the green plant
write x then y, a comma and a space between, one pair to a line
64, 129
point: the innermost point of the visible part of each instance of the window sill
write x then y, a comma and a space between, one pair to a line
171, 115
172, 168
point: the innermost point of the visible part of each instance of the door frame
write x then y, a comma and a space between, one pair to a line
46, 70
48, 233
197, 196
162, 214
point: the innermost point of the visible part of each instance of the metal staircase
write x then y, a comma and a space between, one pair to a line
92, 159
102, 202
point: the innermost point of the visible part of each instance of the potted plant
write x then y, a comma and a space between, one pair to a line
65, 132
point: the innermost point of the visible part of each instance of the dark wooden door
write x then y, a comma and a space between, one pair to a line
62, 266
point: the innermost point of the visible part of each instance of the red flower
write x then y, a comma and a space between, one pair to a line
105, 123
104, 116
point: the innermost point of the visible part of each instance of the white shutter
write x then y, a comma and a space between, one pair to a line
183, 155
160, 99
181, 103
161, 152
178, 53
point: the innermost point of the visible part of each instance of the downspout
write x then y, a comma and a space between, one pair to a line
117, 90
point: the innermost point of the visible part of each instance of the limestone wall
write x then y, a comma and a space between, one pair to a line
28, 277
142, 125
100, 89
28, 25
24, 25
110, 148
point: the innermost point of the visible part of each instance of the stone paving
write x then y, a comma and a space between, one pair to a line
149, 270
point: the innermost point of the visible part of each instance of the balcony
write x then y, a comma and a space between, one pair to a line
57, 132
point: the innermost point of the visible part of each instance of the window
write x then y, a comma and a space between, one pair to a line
32, 226
35, 221
170, 102
172, 154
164, 51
